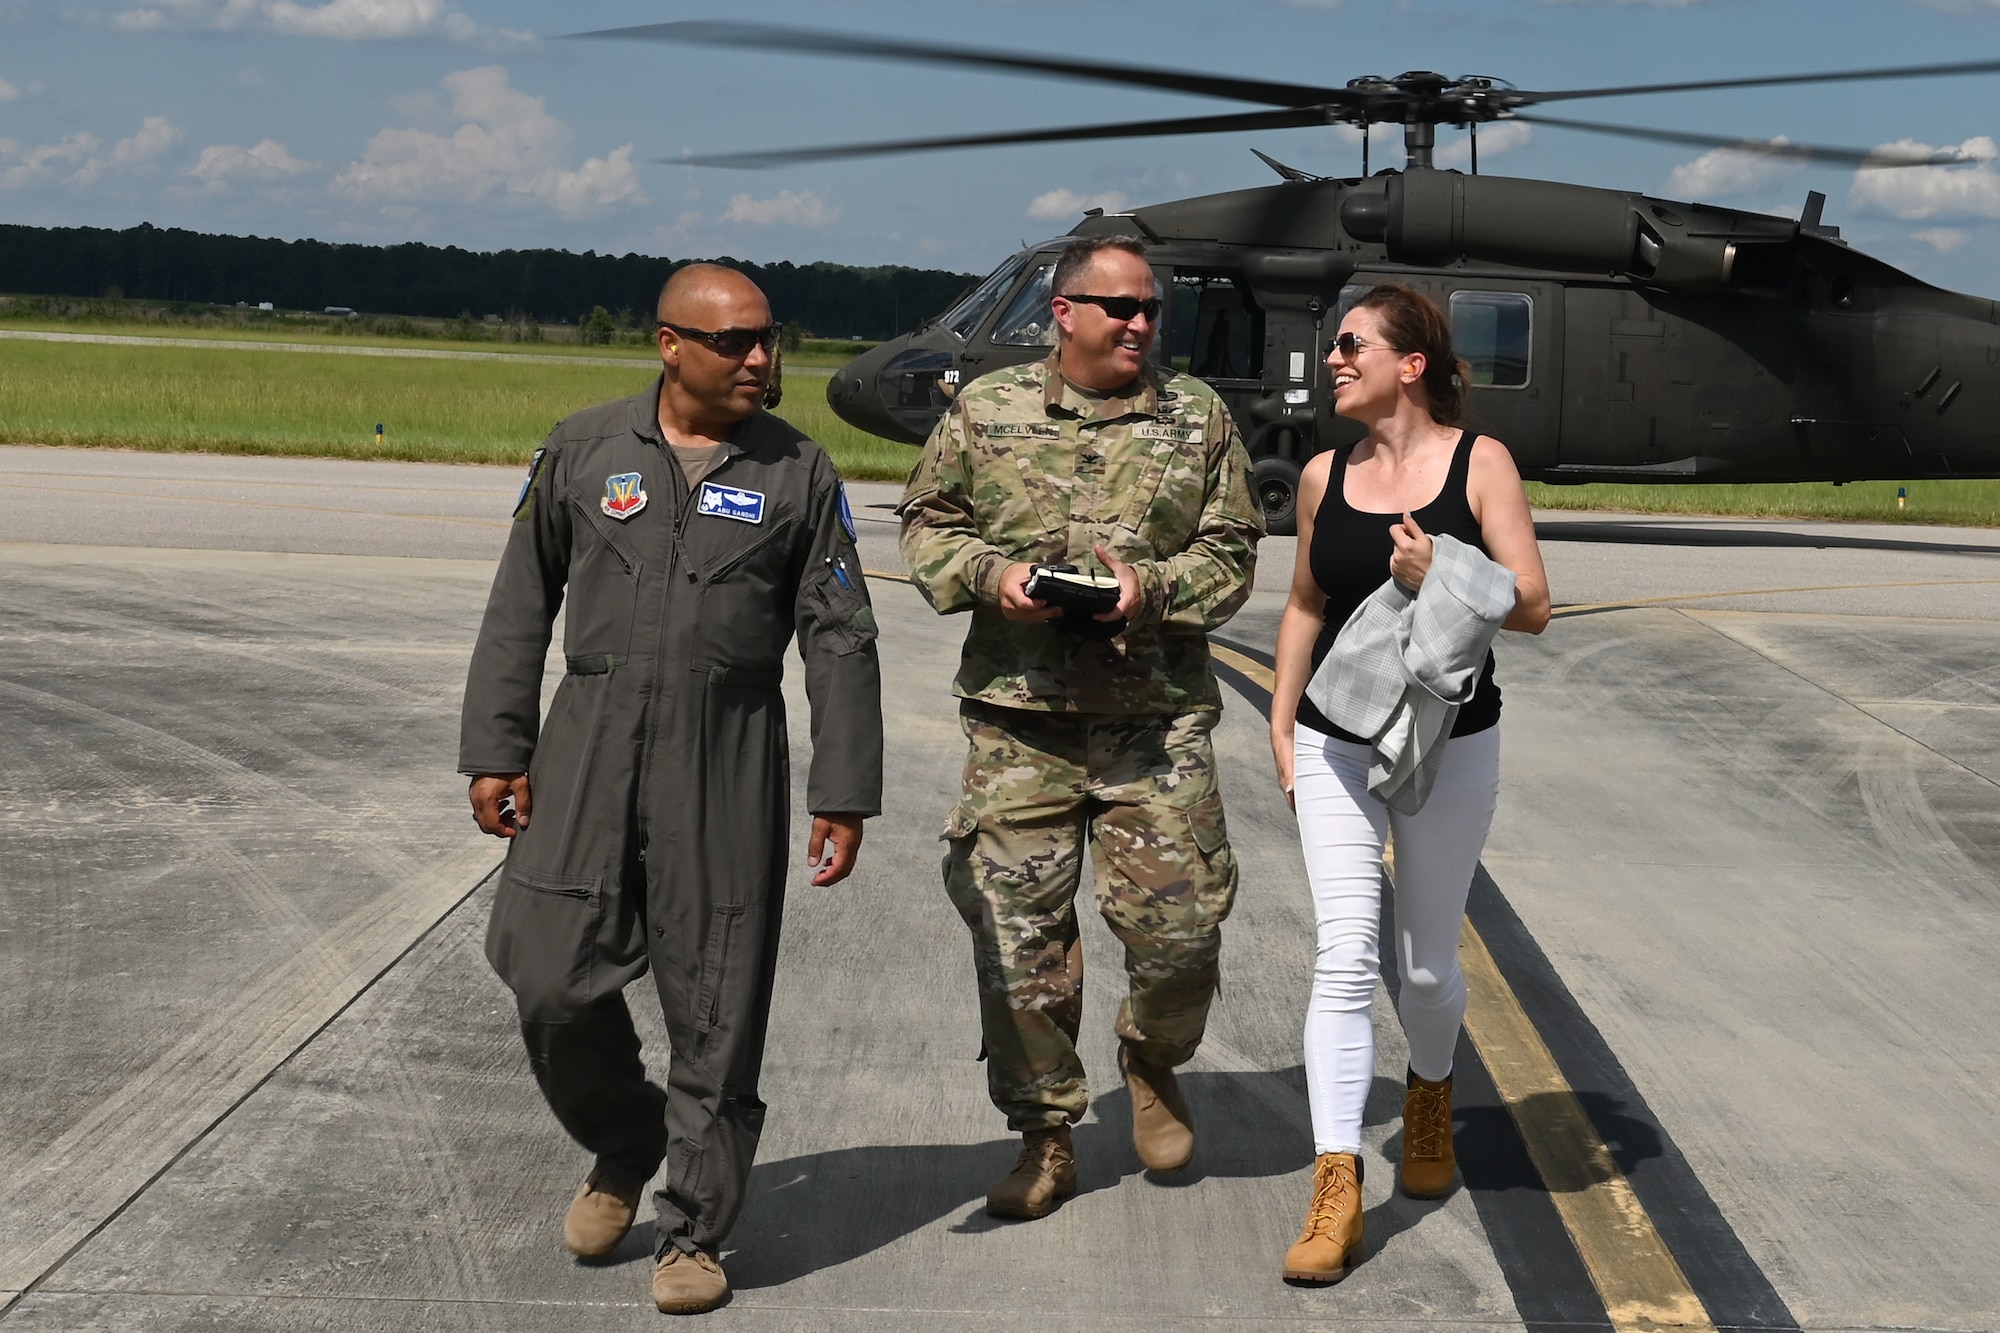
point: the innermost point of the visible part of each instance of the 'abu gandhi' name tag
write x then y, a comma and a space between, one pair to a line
729, 502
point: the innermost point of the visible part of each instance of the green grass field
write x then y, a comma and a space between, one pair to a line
227, 400
231, 401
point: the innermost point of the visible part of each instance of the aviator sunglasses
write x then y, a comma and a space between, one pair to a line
1120, 307
731, 343
1350, 346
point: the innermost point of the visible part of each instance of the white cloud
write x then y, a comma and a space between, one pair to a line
508, 146
1499, 137
1944, 240
1920, 193
342, 20
1722, 172
266, 160
8, 91
794, 208
1063, 204
22, 164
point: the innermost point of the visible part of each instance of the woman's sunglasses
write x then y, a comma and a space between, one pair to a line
731, 343
1349, 346
1120, 307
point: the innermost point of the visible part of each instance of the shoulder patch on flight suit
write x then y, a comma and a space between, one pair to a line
846, 514
729, 502
522, 502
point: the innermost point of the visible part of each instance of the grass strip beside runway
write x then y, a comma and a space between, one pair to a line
234, 400
271, 402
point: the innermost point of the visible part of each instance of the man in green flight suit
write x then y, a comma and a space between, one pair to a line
1083, 726
692, 535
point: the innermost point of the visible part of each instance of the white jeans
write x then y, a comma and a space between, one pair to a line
1342, 829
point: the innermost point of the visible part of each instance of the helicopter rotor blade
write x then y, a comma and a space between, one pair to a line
1776, 81
811, 41
1866, 158
1280, 119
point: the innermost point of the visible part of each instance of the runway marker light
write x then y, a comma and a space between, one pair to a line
1902, 494
378, 435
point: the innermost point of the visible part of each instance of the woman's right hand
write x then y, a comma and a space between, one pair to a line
1282, 753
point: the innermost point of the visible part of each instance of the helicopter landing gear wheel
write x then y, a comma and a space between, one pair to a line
1275, 483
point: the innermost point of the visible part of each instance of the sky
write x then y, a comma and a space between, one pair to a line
465, 122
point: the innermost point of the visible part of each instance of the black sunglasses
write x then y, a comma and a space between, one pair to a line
1350, 346
1120, 307
731, 343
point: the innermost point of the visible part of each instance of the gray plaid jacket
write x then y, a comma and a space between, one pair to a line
1405, 661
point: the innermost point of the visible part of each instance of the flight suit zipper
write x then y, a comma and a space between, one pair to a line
676, 560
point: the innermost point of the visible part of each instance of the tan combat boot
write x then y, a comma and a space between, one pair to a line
1162, 1129
686, 1283
1428, 1159
1333, 1222
600, 1215
1045, 1175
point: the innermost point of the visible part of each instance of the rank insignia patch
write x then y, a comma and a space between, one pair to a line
622, 495
729, 502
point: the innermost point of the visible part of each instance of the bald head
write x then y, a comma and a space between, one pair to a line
709, 296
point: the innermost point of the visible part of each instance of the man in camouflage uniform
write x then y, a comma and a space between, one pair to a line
1100, 458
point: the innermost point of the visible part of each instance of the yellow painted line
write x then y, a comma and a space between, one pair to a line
1249, 666
1642, 1286
1763, 592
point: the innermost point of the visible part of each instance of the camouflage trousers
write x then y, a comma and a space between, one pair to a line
1143, 790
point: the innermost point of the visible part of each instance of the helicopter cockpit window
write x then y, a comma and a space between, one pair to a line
965, 317
1027, 321
1490, 331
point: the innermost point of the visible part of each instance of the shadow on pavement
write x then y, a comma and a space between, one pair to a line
823, 1209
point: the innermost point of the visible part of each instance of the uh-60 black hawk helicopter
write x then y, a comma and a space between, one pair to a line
1612, 336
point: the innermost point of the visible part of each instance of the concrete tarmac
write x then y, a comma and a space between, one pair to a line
258, 1075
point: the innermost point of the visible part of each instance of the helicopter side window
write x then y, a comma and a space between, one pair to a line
1228, 333
1027, 321
1491, 332
965, 317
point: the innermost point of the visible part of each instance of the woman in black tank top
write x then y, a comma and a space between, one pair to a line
1367, 514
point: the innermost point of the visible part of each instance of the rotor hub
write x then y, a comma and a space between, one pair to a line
1422, 97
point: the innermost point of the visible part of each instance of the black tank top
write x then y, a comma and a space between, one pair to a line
1350, 559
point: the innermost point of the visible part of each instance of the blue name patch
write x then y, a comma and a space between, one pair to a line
729, 502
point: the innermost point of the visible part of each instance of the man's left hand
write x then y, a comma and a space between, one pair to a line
1128, 586
834, 862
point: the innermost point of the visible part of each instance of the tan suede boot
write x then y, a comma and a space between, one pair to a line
1332, 1232
1044, 1175
1428, 1158
600, 1215
686, 1283
1162, 1129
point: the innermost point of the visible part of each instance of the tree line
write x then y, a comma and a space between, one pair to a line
553, 286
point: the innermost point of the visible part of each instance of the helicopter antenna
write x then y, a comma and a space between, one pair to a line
1364, 150
1473, 130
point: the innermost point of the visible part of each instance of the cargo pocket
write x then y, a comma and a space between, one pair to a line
960, 884
540, 940
723, 924
1215, 873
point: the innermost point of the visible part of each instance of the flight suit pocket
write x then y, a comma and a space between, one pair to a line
540, 937
844, 615
724, 923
